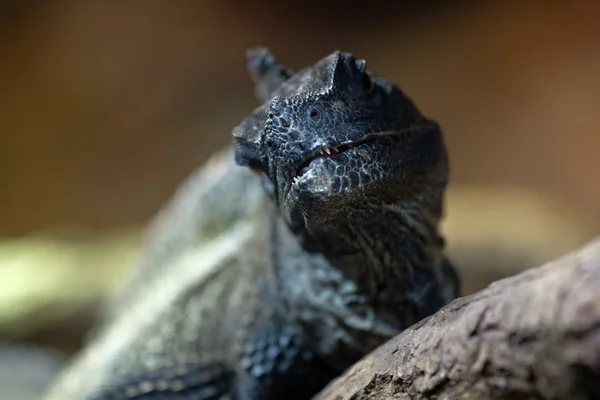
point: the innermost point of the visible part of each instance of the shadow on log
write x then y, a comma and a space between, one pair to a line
535, 335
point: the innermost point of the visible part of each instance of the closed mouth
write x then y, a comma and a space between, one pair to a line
332, 151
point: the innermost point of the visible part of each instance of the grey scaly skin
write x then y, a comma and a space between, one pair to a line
268, 284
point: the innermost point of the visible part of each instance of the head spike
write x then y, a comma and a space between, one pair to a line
266, 72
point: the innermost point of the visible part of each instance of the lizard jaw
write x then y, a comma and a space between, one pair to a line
332, 151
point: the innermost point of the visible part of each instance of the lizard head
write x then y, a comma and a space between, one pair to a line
333, 140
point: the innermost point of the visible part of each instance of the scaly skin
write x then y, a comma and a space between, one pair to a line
267, 285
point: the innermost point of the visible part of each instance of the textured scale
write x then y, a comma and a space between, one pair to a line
287, 258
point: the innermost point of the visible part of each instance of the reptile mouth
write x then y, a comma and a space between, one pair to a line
332, 151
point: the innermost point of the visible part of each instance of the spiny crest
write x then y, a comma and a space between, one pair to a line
335, 71
262, 62
344, 68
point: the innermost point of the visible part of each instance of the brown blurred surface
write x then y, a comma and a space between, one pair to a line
107, 106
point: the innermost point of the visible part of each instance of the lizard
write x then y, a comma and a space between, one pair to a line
290, 255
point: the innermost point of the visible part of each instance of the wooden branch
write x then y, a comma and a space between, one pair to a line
535, 335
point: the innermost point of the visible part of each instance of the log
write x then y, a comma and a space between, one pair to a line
535, 335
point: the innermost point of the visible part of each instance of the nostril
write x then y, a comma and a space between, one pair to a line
305, 147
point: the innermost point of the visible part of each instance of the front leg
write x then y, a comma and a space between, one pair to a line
278, 363
179, 381
273, 363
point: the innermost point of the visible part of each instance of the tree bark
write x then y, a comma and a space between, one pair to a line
535, 335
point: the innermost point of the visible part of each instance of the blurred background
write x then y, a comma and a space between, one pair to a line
106, 106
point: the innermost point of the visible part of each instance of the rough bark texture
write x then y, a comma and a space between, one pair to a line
535, 335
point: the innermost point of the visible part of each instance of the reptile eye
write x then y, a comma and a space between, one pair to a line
270, 144
314, 114
367, 84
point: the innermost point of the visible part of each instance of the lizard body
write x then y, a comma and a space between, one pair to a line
269, 285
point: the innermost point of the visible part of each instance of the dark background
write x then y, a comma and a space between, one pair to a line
106, 106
